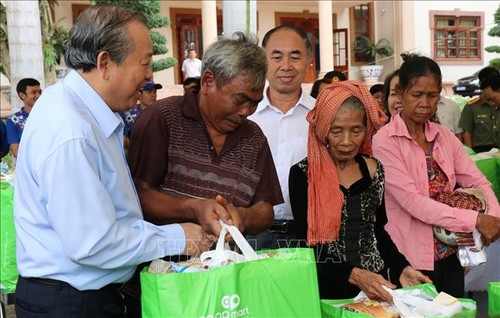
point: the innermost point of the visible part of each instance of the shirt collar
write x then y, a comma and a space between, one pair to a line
398, 127
302, 102
107, 120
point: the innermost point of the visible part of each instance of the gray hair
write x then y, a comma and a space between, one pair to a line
101, 28
353, 103
240, 55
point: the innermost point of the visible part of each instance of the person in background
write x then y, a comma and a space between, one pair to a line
491, 93
4, 145
424, 161
318, 87
79, 225
337, 198
480, 120
377, 92
282, 117
334, 76
198, 158
28, 90
191, 67
448, 113
147, 97
191, 82
391, 103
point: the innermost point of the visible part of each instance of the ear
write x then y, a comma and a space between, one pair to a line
103, 64
207, 81
22, 95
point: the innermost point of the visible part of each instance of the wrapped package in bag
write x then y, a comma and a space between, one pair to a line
415, 301
281, 283
494, 299
8, 265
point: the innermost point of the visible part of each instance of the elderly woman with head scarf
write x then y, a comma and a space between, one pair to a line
337, 198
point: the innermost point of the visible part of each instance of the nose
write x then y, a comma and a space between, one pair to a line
149, 74
346, 139
286, 64
247, 110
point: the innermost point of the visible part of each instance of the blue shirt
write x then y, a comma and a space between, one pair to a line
15, 126
129, 118
4, 145
77, 214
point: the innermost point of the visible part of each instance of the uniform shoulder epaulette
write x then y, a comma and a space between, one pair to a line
473, 100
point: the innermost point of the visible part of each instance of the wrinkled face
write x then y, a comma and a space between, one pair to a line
346, 134
420, 99
379, 97
127, 79
288, 59
32, 94
225, 108
491, 97
148, 97
393, 100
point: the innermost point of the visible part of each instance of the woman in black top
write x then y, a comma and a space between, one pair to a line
337, 198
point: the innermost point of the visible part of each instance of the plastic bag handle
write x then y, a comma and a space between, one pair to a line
239, 239
222, 253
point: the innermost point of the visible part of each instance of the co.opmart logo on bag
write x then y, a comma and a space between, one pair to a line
231, 303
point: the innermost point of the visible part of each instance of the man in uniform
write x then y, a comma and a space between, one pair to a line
480, 119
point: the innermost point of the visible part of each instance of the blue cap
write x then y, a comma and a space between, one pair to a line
150, 85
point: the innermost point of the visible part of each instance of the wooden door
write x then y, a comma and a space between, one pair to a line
340, 53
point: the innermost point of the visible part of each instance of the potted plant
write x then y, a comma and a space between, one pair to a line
368, 51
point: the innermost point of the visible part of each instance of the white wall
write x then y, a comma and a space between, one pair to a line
423, 38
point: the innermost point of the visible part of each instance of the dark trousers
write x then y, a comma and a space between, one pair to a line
55, 299
280, 235
448, 276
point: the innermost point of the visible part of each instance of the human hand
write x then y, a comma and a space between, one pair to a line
197, 240
371, 284
489, 227
237, 215
465, 239
410, 276
208, 212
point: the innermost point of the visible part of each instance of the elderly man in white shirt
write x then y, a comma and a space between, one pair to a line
282, 117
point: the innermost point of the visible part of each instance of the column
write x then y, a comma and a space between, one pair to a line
208, 22
239, 15
25, 45
325, 36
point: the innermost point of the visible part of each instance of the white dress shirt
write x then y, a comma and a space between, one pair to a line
77, 214
287, 137
449, 113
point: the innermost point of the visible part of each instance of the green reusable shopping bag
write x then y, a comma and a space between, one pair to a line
8, 266
284, 285
329, 307
494, 299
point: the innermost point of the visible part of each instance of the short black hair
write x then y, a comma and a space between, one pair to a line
190, 80
299, 31
486, 72
330, 75
24, 83
492, 81
376, 89
315, 88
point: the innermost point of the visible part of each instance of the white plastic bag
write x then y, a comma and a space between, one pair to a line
223, 255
